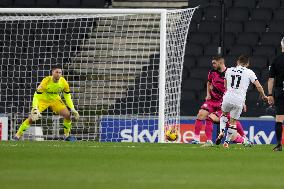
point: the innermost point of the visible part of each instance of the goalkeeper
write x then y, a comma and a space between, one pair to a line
48, 95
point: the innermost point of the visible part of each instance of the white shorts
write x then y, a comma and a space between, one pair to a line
234, 110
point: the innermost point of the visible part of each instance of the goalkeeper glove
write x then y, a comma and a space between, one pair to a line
35, 114
75, 114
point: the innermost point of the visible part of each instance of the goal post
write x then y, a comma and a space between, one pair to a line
124, 68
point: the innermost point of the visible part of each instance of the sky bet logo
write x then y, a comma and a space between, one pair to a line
133, 135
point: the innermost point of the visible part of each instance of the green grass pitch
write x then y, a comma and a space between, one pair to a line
42, 165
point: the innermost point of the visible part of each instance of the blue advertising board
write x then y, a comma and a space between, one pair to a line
260, 131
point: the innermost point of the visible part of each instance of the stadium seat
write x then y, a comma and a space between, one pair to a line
194, 84
93, 4
212, 13
264, 76
237, 50
238, 14
276, 26
189, 107
6, 3
233, 26
255, 26
193, 50
199, 38
198, 15
69, 3
270, 38
282, 3
263, 14
272, 4
189, 61
278, 14
245, 3
265, 50
204, 62
185, 73
188, 96
200, 97
211, 50
192, 26
199, 73
258, 62
253, 96
194, 3
209, 26
247, 38
229, 38
45, 3
231, 61
25, 3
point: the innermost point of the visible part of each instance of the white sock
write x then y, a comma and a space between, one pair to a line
223, 122
231, 132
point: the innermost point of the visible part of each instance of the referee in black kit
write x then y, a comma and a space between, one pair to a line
276, 96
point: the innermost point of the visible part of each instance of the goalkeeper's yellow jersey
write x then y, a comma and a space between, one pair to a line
48, 91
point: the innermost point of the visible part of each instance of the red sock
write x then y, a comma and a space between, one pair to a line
240, 129
239, 139
197, 126
208, 128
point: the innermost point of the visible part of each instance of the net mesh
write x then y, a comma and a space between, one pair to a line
111, 62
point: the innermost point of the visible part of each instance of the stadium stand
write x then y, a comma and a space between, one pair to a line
263, 14
245, 3
6, 3
252, 27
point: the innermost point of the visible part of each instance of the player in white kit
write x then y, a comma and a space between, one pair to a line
237, 80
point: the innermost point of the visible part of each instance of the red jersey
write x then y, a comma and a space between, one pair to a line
216, 79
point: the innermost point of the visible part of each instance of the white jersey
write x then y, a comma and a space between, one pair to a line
238, 80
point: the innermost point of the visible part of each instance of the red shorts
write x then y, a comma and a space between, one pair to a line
212, 106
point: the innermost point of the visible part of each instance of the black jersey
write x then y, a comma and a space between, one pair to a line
276, 71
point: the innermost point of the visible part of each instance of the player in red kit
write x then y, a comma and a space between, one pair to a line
211, 108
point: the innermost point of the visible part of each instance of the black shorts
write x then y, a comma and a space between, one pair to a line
279, 102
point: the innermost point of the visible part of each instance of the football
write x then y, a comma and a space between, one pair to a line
172, 135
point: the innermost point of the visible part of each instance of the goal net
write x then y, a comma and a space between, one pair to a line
124, 68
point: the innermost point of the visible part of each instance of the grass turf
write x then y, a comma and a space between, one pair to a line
137, 165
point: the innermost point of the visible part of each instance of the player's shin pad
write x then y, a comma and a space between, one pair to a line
75, 114
67, 127
231, 133
223, 122
35, 114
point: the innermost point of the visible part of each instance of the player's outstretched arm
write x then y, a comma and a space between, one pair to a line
260, 90
69, 102
270, 90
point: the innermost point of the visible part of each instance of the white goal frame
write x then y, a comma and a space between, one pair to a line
163, 43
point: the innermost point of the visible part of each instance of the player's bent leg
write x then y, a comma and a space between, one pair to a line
208, 132
23, 127
201, 116
223, 122
240, 129
67, 124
